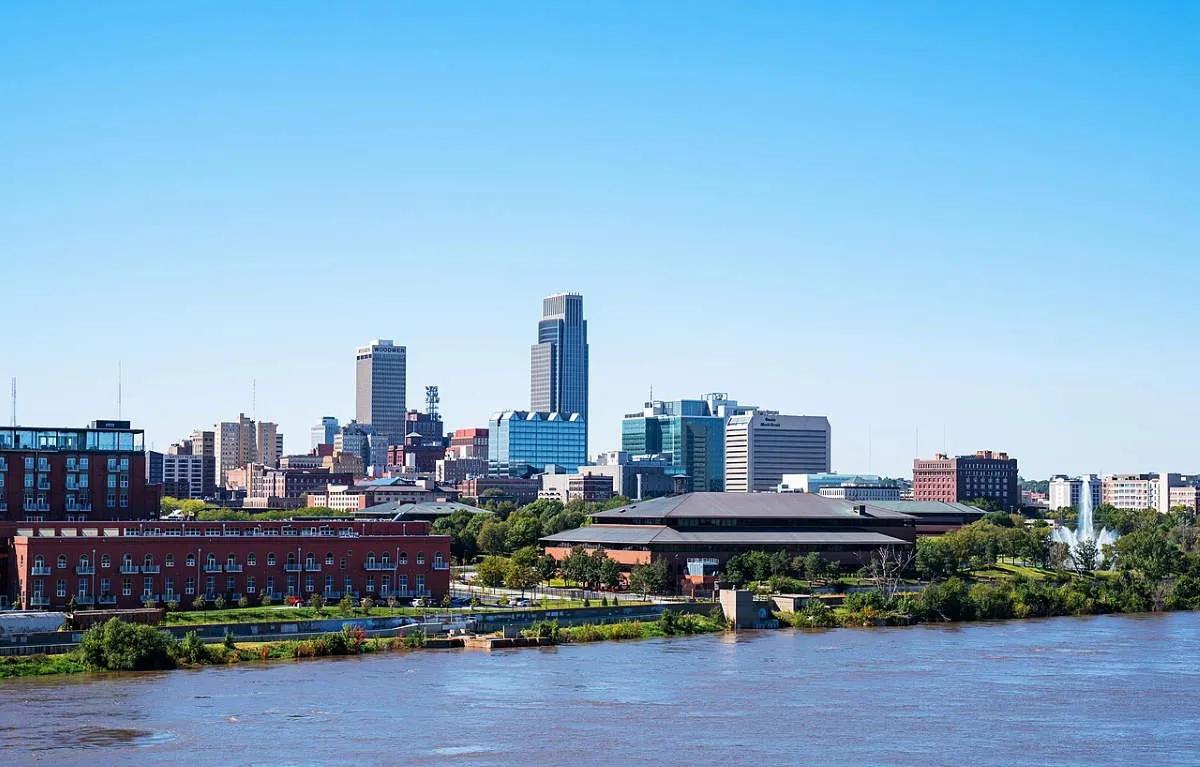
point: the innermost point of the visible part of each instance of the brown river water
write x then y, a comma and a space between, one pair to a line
1067, 691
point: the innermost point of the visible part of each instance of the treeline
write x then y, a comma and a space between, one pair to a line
510, 528
203, 512
527, 567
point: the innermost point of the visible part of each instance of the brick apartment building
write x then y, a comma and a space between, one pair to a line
75, 474
126, 564
966, 477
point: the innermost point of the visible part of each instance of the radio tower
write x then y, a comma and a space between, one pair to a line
432, 400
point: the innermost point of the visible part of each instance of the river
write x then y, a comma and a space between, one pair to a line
1066, 691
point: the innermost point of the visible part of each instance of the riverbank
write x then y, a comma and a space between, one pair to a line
118, 646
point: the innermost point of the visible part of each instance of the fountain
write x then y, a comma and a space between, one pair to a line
1085, 528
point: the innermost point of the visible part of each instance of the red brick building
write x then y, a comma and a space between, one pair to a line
75, 474
469, 443
125, 564
967, 477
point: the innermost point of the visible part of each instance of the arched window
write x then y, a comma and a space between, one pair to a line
211, 560
370, 559
291, 558
148, 560
169, 560
62, 562
251, 559
271, 558
231, 560
105, 560
329, 558
310, 560
39, 561
404, 557
83, 560
127, 560
386, 559
190, 561
420, 557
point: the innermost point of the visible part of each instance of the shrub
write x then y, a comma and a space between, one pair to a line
229, 644
318, 602
191, 650
393, 602
414, 640
173, 606
345, 605
355, 637
265, 599
120, 646
243, 602
368, 604
668, 622
199, 603
219, 603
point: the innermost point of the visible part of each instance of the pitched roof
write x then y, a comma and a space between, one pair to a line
924, 508
660, 535
746, 506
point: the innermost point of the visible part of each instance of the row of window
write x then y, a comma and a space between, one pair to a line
310, 560
291, 583
73, 463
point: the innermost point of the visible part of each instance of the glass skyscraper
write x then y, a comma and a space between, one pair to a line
559, 360
521, 442
691, 432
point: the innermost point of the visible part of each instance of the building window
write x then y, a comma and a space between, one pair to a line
60, 588
348, 581
169, 587
420, 557
270, 584
250, 584
370, 584
61, 562
420, 584
251, 559
328, 585
147, 586
105, 561
169, 561
271, 559
210, 585
190, 561
402, 585
230, 583
329, 558
105, 587
39, 561
126, 586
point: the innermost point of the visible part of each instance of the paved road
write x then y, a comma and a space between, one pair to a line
542, 592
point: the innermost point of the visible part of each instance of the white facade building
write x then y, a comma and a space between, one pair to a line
761, 447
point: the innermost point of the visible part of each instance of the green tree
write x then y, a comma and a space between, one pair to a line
1084, 556
492, 538
520, 577
491, 571
935, 558
120, 646
547, 567
317, 601
610, 574
522, 531
653, 578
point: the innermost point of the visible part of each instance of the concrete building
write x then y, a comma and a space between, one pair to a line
75, 474
966, 478
584, 486
416, 454
816, 482
516, 489
863, 491
184, 476
236, 444
637, 478
324, 432
521, 443
689, 434
124, 566
762, 446
451, 471
1064, 492
272, 488
558, 368
1149, 491
380, 386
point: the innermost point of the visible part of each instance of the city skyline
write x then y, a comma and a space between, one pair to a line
950, 222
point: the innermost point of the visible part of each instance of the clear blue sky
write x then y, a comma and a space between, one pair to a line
977, 220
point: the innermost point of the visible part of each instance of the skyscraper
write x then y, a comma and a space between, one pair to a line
324, 432
559, 360
380, 386
762, 446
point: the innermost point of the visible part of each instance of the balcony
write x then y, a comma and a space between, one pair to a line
84, 507
379, 566
170, 597
150, 569
85, 600
39, 601
85, 570
130, 570
441, 565
292, 568
233, 568
107, 599
36, 507
312, 568
39, 571
212, 568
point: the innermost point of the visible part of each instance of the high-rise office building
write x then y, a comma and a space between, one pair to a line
521, 443
380, 387
324, 432
559, 360
985, 474
762, 446
688, 435
244, 441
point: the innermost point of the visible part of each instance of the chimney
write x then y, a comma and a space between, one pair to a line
860, 509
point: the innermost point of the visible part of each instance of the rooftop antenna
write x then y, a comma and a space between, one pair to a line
14, 401
118, 390
868, 448
944, 442
432, 400
254, 399
917, 442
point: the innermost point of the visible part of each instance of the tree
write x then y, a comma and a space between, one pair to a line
547, 567
317, 601
120, 646
1084, 556
522, 531
610, 574
887, 565
521, 577
492, 537
1150, 552
575, 565
219, 603
199, 603
1059, 555
346, 604
814, 566
935, 558
491, 571
998, 518
265, 599
650, 579
987, 504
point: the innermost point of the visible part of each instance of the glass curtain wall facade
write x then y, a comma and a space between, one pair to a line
684, 429
559, 360
522, 442
380, 384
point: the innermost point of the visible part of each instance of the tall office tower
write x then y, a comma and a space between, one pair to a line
244, 441
762, 446
559, 360
324, 432
380, 387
